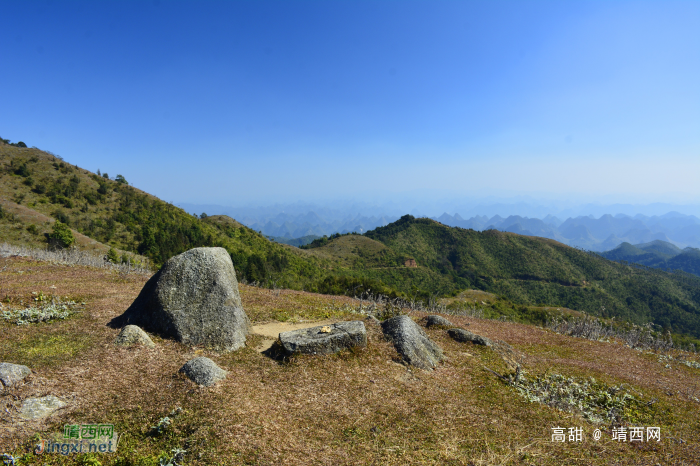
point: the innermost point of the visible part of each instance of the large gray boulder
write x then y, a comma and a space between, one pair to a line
465, 336
36, 408
412, 343
325, 339
203, 371
194, 299
10, 374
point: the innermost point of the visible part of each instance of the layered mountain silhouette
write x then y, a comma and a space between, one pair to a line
658, 254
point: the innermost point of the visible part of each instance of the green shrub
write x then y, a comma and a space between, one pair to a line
33, 229
121, 180
23, 170
61, 236
112, 256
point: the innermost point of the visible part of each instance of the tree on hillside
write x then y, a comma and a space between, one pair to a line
61, 236
121, 180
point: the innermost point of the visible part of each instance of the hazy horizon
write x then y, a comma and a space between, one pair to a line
441, 103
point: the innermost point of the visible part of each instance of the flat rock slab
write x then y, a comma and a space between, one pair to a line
194, 299
438, 321
36, 408
133, 335
11, 374
412, 343
203, 371
465, 336
325, 339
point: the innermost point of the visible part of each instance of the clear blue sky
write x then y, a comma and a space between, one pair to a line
249, 102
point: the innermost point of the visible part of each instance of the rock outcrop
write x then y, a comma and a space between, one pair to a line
133, 335
412, 343
325, 339
36, 408
11, 374
194, 299
203, 371
438, 321
466, 336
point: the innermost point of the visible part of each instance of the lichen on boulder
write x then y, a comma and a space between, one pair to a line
412, 343
465, 336
194, 299
133, 335
325, 339
12, 374
203, 371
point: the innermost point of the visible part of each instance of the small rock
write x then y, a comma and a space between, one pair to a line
464, 336
36, 408
411, 342
11, 374
316, 340
133, 335
203, 371
438, 321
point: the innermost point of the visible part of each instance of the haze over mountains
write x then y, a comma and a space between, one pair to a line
595, 233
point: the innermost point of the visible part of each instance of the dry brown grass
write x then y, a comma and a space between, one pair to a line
351, 408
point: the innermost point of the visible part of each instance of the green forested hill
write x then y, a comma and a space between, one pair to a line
108, 210
524, 270
658, 254
531, 270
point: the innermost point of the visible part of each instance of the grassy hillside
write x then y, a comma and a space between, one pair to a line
530, 270
37, 188
351, 408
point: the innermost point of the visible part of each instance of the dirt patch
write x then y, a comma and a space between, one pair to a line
271, 330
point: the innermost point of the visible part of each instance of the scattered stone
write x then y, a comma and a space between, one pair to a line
326, 339
412, 343
133, 335
464, 336
438, 321
36, 408
11, 374
194, 299
203, 371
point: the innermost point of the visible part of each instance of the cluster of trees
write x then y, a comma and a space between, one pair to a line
16, 144
319, 242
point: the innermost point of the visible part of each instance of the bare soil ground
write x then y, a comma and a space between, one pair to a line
360, 407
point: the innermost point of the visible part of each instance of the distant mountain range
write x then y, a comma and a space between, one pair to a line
594, 234
290, 222
658, 254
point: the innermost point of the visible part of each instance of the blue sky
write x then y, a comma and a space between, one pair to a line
259, 102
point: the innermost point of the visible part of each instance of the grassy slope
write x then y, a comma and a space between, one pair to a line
350, 408
524, 270
530, 270
127, 218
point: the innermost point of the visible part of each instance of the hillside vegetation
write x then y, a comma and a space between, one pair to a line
531, 270
110, 211
657, 254
38, 189
354, 407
